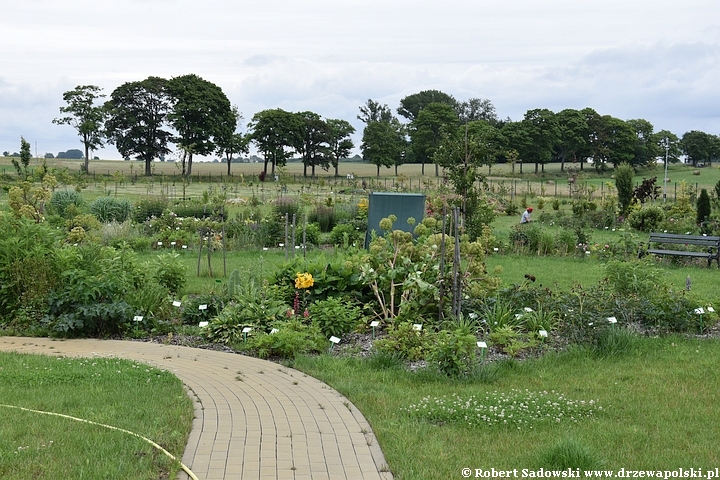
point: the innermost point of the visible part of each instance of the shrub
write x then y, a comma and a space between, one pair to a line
646, 219
334, 316
346, 234
703, 207
291, 339
406, 342
324, 217
149, 207
453, 353
65, 202
289, 206
111, 209
169, 272
624, 183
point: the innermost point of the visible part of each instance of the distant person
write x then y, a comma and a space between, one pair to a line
526, 215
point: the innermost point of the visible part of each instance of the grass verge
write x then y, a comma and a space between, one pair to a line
120, 393
658, 403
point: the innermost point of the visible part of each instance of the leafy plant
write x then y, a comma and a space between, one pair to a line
291, 339
453, 353
406, 342
170, 272
111, 209
335, 316
65, 202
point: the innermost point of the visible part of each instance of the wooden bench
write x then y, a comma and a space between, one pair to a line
710, 246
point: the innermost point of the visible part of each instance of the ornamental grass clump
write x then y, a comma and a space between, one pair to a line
515, 408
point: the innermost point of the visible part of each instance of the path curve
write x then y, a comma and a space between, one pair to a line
253, 418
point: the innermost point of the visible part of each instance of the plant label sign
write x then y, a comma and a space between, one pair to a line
176, 303
137, 318
482, 344
202, 307
246, 329
417, 326
202, 324
335, 339
374, 323
543, 333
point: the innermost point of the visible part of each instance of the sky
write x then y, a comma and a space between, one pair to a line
652, 59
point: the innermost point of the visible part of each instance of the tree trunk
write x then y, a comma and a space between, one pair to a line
148, 170
189, 169
87, 160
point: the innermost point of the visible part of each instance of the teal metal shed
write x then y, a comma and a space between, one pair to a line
402, 205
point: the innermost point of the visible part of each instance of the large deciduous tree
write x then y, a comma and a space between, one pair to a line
543, 131
383, 143
573, 129
229, 141
374, 111
85, 116
137, 119
646, 146
339, 142
411, 106
700, 147
313, 142
200, 111
427, 130
475, 109
276, 133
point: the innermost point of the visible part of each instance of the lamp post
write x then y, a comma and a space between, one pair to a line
665, 179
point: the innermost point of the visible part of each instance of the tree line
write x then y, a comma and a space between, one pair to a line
143, 118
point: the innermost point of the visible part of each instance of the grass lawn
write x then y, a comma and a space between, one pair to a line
120, 393
658, 405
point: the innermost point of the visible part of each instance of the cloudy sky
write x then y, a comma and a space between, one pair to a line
652, 59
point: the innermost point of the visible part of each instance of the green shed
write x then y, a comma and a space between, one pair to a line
402, 205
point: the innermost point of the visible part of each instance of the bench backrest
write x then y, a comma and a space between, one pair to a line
703, 240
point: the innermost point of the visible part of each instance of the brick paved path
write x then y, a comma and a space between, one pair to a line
275, 423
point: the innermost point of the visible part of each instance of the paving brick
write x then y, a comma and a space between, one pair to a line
258, 428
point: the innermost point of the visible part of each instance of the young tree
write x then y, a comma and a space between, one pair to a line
339, 142
137, 114
624, 174
373, 111
25, 156
200, 111
85, 117
703, 207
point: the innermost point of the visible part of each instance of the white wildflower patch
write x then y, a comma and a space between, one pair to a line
516, 408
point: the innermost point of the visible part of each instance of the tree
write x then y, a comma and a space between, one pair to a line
411, 105
646, 146
373, 111
621, 141
543, 132
137, 114
668, 143
339, 142
383, 143
624, 174
85, 117
313, 142
228, 141
700, 147
475, 109
25, 156
518, 141
427, 130
703, 207
200, 110
275, 133
573, 130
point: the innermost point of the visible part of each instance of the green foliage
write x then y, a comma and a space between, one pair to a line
404, 341
346, 234
111, 209
291, 339
335, 316
453, 353
90, 300
324, 217
624, 183
169, 272
65, 203
646, 219
147, 208
703, 208
612, 341
632, 278
570, 454
29, 267
288, 206
191, 313
497, 313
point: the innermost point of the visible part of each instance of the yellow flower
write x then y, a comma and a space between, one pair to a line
304, 280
